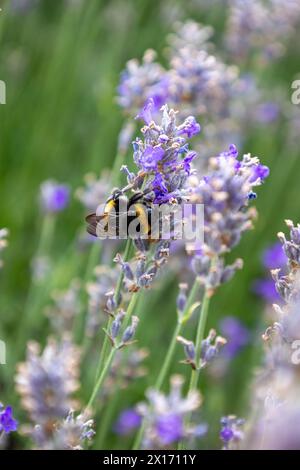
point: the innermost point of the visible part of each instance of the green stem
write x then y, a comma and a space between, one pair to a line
101, 378
169, 356
199, 338
104, 370
170, 353
117, 294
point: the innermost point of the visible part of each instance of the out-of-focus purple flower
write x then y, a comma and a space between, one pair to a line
7, 422
54, 196
231, 431
127, 421
169, 428
226, 434
143, 83
47, 381
274, 257
267, 112
265, 288
165, 415
237, 336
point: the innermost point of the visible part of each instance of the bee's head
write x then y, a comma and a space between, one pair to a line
118, 195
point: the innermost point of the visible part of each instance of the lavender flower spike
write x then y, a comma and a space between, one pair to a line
47, 381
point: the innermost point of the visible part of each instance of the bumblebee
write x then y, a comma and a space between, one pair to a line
120, 215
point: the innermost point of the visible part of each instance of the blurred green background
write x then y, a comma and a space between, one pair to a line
61, 62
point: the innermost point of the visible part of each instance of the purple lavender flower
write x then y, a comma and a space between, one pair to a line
273, 257
163, 153
231, 431
127, 422
141, 82
164, 415
47, 381
54, 196
68, 434
260, 172
232, 152
151, 157
237, 336
7, 422
260, 27
226, 434
265, 288
190, 127
225, 195
170, 428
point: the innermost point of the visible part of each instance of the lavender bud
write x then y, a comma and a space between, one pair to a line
189, 348
141, 267
111, 303
181, 299
230, 270
201, 265
130, 330
116, 324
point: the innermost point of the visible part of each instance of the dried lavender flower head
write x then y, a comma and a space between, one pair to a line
164, 415
47, 380
54, 196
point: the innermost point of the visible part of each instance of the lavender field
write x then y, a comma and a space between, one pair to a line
114, 335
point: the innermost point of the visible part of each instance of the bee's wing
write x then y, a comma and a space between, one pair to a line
103, 225
93, 220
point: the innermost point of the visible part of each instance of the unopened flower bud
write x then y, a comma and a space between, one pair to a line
130, 330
